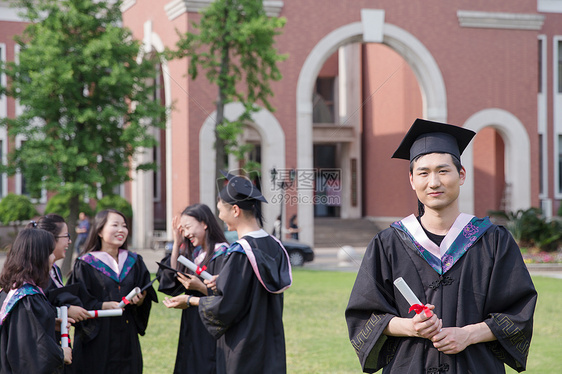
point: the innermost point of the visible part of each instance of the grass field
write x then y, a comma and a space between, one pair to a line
316, 333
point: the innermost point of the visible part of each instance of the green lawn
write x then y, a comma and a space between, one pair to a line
545, 356
316, 333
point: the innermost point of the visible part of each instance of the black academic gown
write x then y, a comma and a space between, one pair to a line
245, 317
196, 347
488, 283
56, 294
27, 338
110, 344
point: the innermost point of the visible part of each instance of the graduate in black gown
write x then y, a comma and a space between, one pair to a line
55, 292
27, 319
468, 272
107, 272
198, 237
246, 314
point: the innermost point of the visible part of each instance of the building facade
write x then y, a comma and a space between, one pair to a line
358, 74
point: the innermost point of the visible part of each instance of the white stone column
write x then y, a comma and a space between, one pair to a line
349, 62
142, 200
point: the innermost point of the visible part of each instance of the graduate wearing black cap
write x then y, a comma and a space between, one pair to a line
467, 271
246, 312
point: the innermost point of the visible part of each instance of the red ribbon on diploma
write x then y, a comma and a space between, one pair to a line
200, 270
65, 336
125, 301
420, 308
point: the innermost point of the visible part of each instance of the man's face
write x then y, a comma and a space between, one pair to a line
226, 214
436, 180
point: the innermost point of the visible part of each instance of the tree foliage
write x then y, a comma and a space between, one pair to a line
16, 208
60, 204
115, 202
87, 105
234, 44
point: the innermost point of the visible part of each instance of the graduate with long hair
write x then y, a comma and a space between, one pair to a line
198, 237
57, 226
107, 272
246, 313
27, 319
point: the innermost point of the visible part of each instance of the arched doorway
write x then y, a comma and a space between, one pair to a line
372, 29
272, 155
517, 157
489, 173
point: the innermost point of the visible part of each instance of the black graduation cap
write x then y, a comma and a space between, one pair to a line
433, 137
240, 191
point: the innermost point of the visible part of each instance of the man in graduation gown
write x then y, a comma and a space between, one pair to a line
469, 273
246, 313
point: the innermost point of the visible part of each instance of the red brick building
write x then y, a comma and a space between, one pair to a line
358, 73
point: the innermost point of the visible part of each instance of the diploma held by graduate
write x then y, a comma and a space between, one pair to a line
411, 298
64, 326
127, 299
196, 269
105, 313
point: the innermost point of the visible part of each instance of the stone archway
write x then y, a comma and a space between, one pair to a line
517, 157
371, 29
273, 154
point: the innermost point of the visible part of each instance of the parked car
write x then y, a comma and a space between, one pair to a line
299, 253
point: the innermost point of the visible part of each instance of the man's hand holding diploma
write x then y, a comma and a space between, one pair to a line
419, 326
424, 324
449, 340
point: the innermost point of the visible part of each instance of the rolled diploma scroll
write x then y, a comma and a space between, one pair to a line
63, 326
408, 294
105, 313
191, 266
131, 294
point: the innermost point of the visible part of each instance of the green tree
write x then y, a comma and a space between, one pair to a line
60, 204
234, 44
87, 100
16, 208
115, 202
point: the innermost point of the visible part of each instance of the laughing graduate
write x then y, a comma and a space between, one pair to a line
246, 313
467, 271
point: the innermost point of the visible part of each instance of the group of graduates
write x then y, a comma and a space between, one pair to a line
33, 291
231, 323
475, 314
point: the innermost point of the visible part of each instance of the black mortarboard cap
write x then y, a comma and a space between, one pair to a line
240, 191
433, 137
